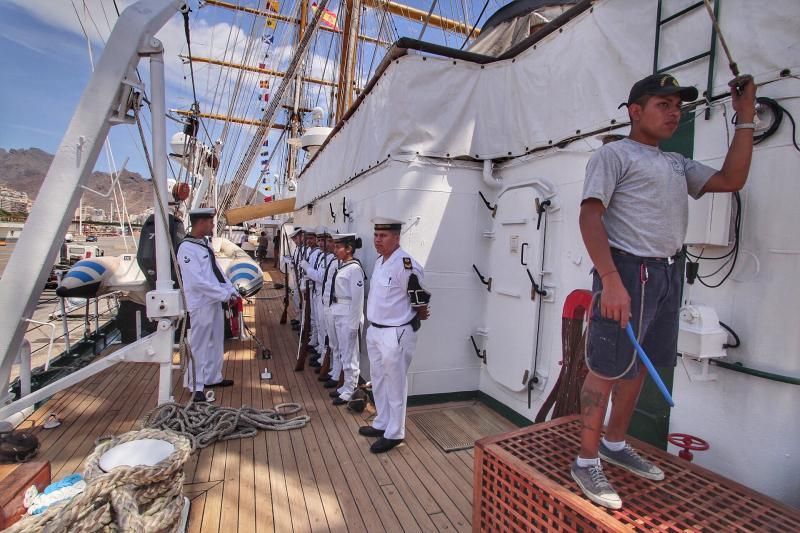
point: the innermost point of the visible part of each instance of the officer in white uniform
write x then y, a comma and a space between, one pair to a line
347, 308
206, 288
396, 304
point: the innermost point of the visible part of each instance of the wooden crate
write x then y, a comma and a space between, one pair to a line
14, 481
523, 483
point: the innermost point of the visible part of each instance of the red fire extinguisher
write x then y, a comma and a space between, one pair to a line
232, 313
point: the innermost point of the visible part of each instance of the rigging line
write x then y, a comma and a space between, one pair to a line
105, 16
466, 40
324, 69
375, 48
360, 52
241, 75
269, 115
216, 99
233, 110
269, 161
444, 31
331, 41
465, 12
234, 154
234, 102
427, 19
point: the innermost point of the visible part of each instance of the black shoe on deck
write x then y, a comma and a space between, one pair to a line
339, 401
369, 431
223, 383
384, 445
199, 396
331, 383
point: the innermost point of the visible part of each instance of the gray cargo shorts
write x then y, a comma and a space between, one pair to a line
608, 349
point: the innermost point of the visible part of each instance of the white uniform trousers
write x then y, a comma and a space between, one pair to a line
390, 352
296, 301
349, 353
322, 328
207, 342
330, 327
312, 340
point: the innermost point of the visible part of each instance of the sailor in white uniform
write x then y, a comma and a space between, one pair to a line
292, 262
309, 258
347, 308
315, 271
206, 288
331, 378
396, 304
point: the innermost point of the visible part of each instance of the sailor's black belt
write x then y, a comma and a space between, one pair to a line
669, 260
385, 326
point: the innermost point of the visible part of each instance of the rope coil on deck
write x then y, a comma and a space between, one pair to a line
129, 498
203, 423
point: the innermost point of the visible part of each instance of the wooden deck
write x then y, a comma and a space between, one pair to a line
319, 478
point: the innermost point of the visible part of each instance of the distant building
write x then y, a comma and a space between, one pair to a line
13, 201
91, 214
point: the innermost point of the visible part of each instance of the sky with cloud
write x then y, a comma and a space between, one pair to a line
45, 48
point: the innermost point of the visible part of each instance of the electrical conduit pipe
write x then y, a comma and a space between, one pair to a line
488, 175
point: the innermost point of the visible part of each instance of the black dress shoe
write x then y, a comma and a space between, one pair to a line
294, 321
198, 397
339, 401
331, 383
324, 377
333, 394
223, 383
369, 431
315, 363
383, 445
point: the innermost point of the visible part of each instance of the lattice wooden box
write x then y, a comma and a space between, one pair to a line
522, 483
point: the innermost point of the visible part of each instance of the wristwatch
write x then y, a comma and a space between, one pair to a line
746, 126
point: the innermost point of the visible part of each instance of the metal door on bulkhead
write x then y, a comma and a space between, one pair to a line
511, 312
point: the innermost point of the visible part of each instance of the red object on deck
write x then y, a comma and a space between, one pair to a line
235, 312
688, 442
577, 304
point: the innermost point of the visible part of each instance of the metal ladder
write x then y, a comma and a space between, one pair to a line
711, 54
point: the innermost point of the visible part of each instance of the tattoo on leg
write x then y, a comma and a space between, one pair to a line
590, 400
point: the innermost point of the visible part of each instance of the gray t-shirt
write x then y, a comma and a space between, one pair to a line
644, 191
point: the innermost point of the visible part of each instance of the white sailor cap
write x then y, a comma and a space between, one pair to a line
340, 237
296, 231
202, 212
310, 230
322, 230
384, 223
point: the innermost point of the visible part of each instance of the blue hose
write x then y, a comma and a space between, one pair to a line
649, 365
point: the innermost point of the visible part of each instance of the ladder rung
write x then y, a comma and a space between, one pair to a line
680, 13
685, 61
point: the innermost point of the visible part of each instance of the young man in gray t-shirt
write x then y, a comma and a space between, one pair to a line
633, 221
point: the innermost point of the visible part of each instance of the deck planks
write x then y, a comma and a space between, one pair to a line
319, 478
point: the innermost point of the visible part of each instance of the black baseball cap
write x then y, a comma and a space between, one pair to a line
660, 85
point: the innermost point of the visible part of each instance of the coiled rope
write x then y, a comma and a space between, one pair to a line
129, 498
203, 424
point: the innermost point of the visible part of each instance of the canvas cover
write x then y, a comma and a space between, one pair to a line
571, 82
